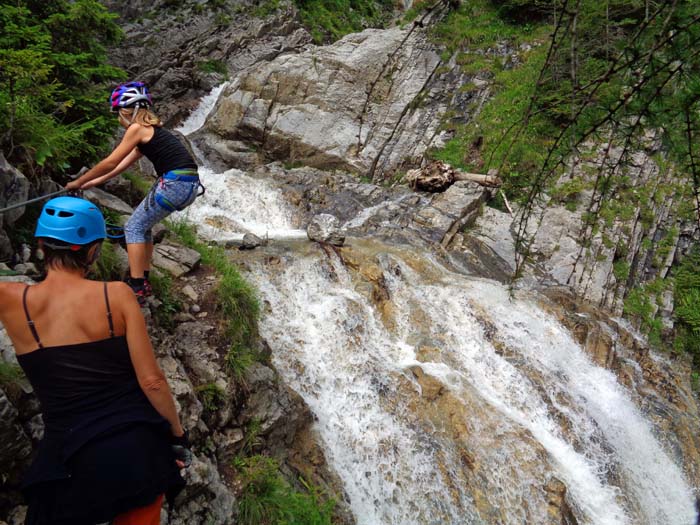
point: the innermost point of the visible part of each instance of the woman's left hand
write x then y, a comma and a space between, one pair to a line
74, 185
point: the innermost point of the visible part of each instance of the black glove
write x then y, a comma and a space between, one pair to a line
181, 448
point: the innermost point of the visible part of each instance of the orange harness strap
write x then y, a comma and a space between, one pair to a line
148, 515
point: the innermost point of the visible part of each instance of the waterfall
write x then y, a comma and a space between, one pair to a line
234, 203
519, 402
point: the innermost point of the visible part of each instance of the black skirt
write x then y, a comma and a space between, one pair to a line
127, 468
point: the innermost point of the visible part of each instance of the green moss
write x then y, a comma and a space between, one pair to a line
9, 373
621, 270
213, 66
142, 185
169, 303
236, 298
212, 396
107, 267
330, 20
267, 498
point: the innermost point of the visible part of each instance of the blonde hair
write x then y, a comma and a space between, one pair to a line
143, 116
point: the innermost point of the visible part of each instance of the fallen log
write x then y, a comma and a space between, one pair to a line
438, 176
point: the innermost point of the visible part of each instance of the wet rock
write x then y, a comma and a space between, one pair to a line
250, 241
349, 105
205, 499
107, 200
559, 510
450, 211
278, 409
175, 259
325, 228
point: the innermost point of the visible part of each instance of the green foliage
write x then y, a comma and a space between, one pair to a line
169, 304
267, 499
53, 68
468, 34
266, 8
641, 304
621, 270
213, 66
9, 373
237, 300
330, 20
687, 298
141, 185
107, 266
212, 396
239, 358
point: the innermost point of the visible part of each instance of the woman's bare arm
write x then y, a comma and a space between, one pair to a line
121, 167
150, 376
134, 135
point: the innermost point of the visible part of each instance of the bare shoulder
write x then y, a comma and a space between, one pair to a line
9, 293
121, 293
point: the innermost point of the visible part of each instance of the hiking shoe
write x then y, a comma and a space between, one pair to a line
139, 290
147, 288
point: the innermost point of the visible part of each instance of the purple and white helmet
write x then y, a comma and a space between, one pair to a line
131, 94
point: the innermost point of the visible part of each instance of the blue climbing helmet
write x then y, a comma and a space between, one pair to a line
71, 220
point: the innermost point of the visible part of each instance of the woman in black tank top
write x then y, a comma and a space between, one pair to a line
113, 442
176, 188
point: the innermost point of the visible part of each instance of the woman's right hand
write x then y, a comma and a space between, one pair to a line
181, 448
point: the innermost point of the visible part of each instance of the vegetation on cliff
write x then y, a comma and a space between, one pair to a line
54, 114
567, 75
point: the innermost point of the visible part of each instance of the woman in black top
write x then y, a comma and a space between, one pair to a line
175, 189
112, 441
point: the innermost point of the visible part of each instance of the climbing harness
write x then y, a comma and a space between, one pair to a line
114, 231
182, 175
37, 199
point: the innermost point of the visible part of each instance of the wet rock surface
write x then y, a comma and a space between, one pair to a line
348, 105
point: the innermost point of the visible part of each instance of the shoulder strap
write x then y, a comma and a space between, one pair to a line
109, 311
32, 328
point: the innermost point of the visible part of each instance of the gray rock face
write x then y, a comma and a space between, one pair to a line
14, 188
205, 499
250, 242
351, 105
188, 59
16, 445
109, 201
175, 259
325, 228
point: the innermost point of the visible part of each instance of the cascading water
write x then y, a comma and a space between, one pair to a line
522, 401
234, 202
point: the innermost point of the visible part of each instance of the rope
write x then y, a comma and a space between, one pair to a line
30, 201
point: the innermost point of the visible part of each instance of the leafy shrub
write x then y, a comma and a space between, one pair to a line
267, 499
53, 102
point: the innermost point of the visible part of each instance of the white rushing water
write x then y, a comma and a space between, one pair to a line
234, 203
331, 345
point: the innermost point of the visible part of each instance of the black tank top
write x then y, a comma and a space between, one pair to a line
166, 152
85, 390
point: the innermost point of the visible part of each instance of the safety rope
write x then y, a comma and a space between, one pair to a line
37, 199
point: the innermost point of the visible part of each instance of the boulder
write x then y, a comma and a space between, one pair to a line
325, 228
107, 200
250, 241
350, 105
175, 259
14, 188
